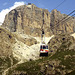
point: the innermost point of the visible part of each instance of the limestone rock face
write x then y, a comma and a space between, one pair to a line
61, 23
28, 40
6, 42
61, 42
16, 45
28, 19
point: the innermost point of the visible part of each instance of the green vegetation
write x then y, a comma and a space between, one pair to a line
65, 55
14, 60
4, 61
33, 67
69, 61
29, 67
61, 54
72, 73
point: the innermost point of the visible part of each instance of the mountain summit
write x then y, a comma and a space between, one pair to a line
28, 19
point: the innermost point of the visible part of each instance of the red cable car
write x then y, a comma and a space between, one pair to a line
44, 50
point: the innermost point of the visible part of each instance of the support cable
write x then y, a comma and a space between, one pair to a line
64, 19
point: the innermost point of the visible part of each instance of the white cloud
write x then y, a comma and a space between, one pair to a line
5, 11
16, 4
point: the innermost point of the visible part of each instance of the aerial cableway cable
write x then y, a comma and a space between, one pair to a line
59, 4
69, 18
64, 19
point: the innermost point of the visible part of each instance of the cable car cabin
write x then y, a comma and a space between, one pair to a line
43, 50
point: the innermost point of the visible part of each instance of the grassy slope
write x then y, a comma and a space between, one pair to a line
6, 63
34, 67
68, 62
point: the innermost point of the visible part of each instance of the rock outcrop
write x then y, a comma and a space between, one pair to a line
62, 40
61, 23
6, 42
29, 19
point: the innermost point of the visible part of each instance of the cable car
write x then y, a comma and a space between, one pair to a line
44, 50
43, 47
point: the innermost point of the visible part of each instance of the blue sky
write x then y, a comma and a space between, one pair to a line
65, 8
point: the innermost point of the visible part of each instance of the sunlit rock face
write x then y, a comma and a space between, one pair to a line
6, 42
29, 19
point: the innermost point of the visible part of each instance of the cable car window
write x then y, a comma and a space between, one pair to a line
47, 47
40, 47
44, 47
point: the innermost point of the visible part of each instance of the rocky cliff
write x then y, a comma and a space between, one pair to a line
28, 19
6, 42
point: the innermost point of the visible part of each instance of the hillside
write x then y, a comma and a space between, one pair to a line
60, 62
12, 45
15, 48
6, 42
6, 49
